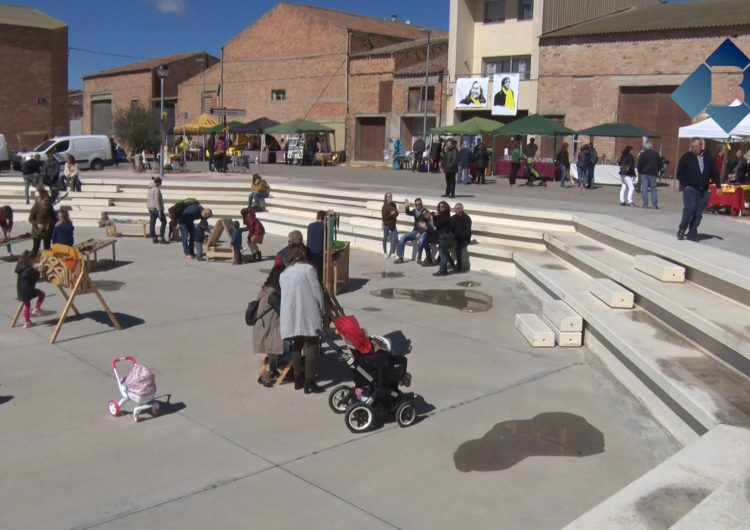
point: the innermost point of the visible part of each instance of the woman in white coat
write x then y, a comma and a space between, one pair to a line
301, 315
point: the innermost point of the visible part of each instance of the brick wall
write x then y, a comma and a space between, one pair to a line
580, 78
34, 63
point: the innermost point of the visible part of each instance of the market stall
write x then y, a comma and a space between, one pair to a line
733, 198
294, 130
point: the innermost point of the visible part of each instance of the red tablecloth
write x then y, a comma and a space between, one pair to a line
547, 169
736, 200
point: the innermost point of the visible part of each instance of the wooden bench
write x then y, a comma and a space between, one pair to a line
118, 227
93, 246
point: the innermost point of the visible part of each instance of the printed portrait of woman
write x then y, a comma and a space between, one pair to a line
475, 97
505, 96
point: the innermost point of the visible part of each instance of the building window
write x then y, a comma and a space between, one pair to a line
278, 95
134, 102
494, 11
520, 64
525, 9
207, 101
416, 99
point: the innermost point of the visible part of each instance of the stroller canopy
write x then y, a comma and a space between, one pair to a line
349, 328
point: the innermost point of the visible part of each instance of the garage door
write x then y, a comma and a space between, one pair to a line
101, 117
370, 138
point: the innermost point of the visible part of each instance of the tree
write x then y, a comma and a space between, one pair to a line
136, 127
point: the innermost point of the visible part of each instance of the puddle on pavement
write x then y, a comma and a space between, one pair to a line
588, 247
462, 299
371, 309
554, 266
384, 274
468, 283
547, 434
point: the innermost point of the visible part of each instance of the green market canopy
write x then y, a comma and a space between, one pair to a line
621, 130
298, 127
533, 124
474, 127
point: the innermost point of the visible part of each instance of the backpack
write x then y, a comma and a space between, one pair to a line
175, 211
251, 313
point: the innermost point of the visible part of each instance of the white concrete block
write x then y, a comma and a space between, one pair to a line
535, 331
659, 268
562, 316
565, 339
611, 293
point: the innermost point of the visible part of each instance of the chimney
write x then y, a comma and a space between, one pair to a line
394, 18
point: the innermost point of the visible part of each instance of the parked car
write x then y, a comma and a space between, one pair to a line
4, 159
91, 151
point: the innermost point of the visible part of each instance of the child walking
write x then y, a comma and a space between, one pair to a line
26, 288
237, 243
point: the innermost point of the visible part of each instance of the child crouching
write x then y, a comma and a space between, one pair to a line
26, 289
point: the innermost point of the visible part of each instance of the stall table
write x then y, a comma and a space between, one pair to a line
546, 169
733, 197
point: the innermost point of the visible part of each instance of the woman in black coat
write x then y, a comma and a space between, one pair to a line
446, 239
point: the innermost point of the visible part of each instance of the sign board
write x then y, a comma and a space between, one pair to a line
228, 112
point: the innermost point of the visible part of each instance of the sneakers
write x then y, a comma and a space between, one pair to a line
680, 234
399, 260
386, 255
28, 324
36, 312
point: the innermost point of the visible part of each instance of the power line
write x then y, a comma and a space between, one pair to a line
97, 52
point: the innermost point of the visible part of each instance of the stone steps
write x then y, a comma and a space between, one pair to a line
700, 391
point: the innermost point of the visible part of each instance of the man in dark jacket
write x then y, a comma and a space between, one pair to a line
482, 158
435, 149
695, 171
465, 157
418, 149
316, 242
648, 171
190, 214
450, 167
461, 227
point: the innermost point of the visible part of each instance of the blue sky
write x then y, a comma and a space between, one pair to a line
143, 29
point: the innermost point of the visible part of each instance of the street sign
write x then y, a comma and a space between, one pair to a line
227, 112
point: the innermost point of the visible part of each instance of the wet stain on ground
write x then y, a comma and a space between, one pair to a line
547, 434
663, 507
265, 271
468, 283
588, 247
384, 274
109, 285
554, 266
661, 331
462, 299
371, 309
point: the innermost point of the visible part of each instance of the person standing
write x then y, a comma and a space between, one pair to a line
6, 224
266, 332
71, 172
155, 205
32, 175
482, 158
450, 167
189, 215
26, 289
211, 147
41, 219
301, 314
593, 159
648, 171
461, 228
316, 242
220, 154
584, 165
563, 163
418, 148
465, 156
695, 172
435, 152
51, 175
627, 171
515, 162
389, 213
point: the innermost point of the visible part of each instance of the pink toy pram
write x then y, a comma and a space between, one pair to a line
139, 386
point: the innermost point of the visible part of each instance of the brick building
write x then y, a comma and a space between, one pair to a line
387, 95
625, 66
293, 63
107, 91
34, 80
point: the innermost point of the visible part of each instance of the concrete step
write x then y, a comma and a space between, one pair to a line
564, 339
611, 293
534, 330
699, 391
562, 316
658, 268
669, 494
716, 323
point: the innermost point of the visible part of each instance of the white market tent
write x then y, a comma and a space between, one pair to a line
710, 130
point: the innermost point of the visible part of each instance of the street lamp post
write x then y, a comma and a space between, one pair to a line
162, 71
426, 84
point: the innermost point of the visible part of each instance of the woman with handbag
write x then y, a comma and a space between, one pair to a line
446, 239
266, 331
389, 213
627, 172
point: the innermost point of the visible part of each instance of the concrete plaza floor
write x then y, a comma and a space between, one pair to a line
509, 436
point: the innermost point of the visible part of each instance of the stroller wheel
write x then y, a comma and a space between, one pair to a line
406, 414
114, 408
340, 398
137, 418
359, 417
155, 409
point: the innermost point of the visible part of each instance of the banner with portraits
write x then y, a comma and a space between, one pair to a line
471, 92
505, 94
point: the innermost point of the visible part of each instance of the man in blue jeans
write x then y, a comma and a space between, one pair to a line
695, 171
418, 231
189, 215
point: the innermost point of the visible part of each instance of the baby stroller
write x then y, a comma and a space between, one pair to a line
139, 386
533, 174
377, 374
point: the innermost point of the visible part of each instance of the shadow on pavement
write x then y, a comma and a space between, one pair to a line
100, 316
5, 399
355, 284
107, 265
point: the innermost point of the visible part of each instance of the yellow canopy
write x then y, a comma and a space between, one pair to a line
198, 125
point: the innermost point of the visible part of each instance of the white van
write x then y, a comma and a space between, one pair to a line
91, 151
4, 159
